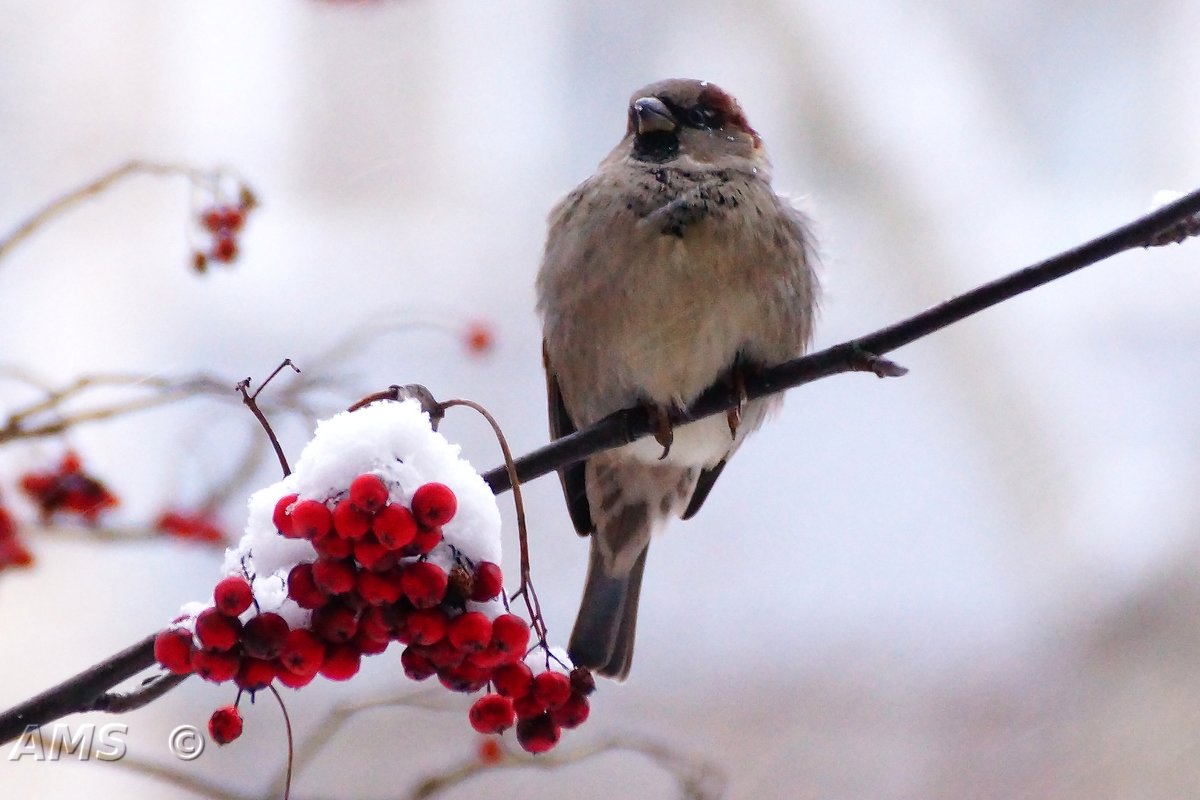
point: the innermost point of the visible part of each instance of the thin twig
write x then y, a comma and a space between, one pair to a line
698, 780
291, 743
251, 401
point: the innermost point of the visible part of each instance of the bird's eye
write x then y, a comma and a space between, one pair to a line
701, 117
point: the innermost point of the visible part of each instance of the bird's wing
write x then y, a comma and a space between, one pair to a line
573, 482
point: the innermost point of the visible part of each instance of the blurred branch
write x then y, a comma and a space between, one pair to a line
1166, 224
96, 186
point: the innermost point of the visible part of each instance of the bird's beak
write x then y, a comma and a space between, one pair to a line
650, 115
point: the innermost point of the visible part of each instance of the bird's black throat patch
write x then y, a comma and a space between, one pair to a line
656, 146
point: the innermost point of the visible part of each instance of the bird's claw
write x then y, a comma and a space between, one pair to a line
664, 431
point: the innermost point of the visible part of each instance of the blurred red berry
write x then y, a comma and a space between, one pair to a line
225, 725
479, 337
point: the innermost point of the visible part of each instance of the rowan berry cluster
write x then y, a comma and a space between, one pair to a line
67, 489
381, 573
220, 224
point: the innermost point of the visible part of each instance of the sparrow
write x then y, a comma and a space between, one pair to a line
672, 268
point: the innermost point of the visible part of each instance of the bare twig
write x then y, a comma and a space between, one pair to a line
697, 779
625, 426
251, 401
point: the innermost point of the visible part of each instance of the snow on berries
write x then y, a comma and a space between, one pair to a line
382, 534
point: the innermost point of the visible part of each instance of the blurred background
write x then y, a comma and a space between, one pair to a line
975, 581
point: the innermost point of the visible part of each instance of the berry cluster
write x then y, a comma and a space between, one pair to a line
221, 224
69, 490
195, 527
382, 573
13, 552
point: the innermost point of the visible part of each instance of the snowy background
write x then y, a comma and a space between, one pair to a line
976, 581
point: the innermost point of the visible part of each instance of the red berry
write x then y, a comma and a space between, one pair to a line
424, 542
464, 677
349, 522
264, 635
394, 526
369, 493
217, 631
311, 519
426, 626
302, 587
528, 705
333, 546
377, 589
224, 248
293, 680
489, 581
416, 666
211, 219
214, 666
489, 657
492, 714
371, 554
573, 713
225, 725
255, 674
490, 752
479, 337
303, 653
470, 632
335, 623
424, 584
367, 645
444, 655
552, 688
582, 681
173, 649
341, 662
233, 595
333, 576
281, 517
434, 504
510, 634
231, 218
514, 679
538, 734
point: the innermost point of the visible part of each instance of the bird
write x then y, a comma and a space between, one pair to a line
674, 267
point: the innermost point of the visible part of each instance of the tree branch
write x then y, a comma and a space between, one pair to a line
1171, 223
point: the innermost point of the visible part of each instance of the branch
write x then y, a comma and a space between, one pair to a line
1172, 222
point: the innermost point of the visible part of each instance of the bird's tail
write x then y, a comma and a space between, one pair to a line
604, 630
